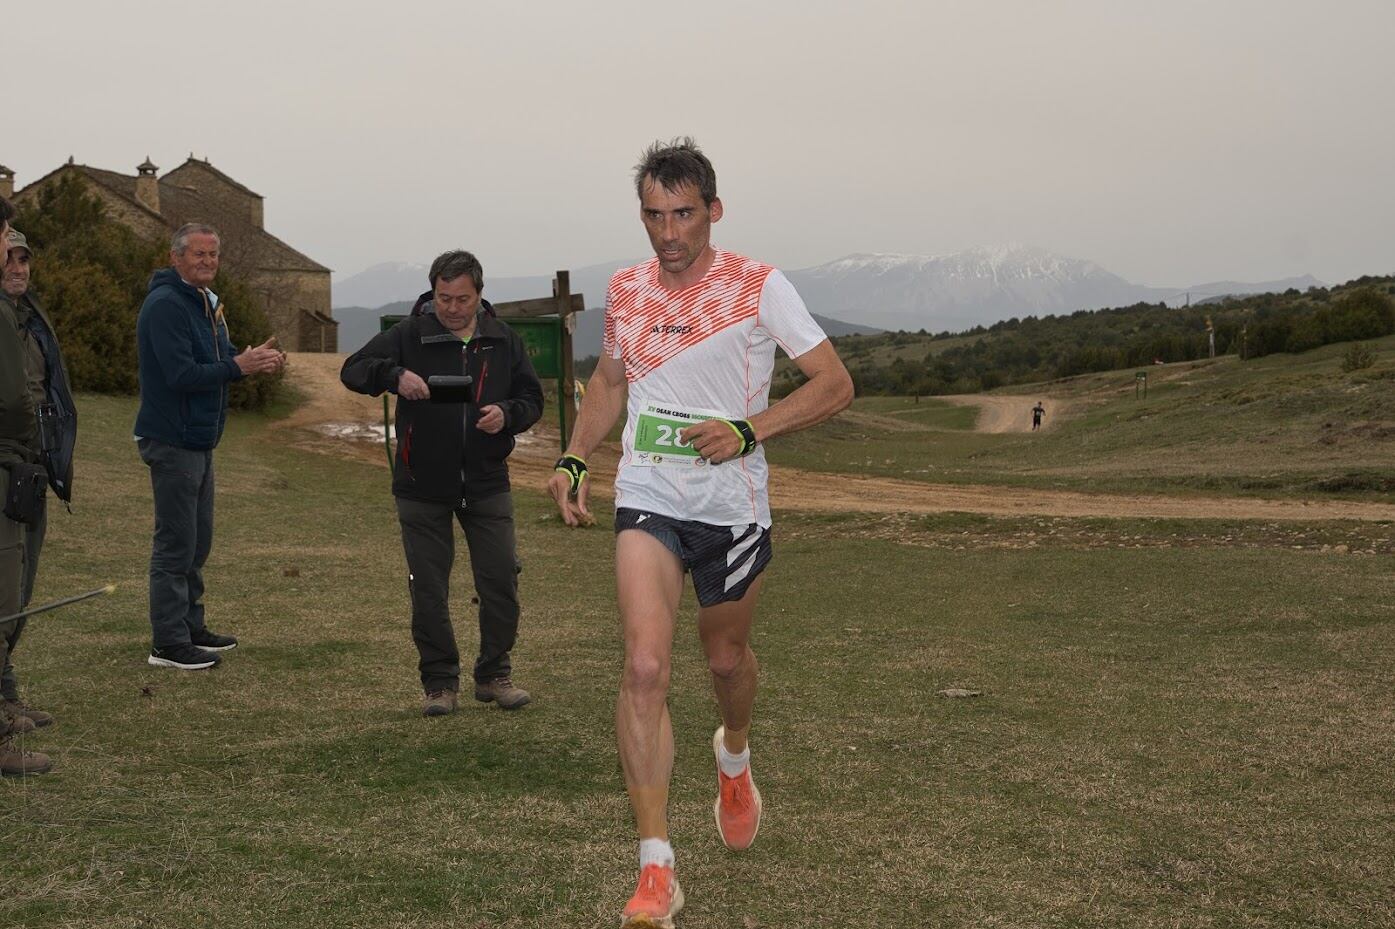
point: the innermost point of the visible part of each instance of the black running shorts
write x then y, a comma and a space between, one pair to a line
723, 560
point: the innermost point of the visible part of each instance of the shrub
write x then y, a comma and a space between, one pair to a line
1357, 356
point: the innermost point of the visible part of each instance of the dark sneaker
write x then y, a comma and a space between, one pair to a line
210, 641
16, 762
502, 691
21, 709
438, 703
183, 657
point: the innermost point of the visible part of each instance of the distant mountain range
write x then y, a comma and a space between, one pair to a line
359, 323
863, 293
984, 285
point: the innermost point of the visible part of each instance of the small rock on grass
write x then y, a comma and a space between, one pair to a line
959, 692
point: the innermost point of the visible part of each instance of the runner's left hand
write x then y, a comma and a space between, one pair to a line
713, 439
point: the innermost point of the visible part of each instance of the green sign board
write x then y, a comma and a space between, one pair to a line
542, 336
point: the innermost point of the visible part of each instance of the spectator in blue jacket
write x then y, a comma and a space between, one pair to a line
186, 363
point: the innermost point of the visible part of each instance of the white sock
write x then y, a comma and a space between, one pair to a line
732, 765
655, 851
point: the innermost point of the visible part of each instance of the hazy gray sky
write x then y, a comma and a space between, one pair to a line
1172, 142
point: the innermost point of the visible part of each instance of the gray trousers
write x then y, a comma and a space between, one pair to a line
182, 481
428, 539
33, 545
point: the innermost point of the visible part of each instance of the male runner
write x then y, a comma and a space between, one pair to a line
690, 336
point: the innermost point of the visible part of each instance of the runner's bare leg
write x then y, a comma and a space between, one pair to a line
649, 581
725, 630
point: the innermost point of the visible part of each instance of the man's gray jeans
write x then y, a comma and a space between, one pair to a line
182, 480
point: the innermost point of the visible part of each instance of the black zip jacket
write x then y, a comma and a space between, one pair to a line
441, 456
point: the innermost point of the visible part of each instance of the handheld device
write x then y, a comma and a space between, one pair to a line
450, 388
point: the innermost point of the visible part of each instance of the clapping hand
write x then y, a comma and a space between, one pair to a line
264, 359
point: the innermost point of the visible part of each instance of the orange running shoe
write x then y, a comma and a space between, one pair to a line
657, 899
738, 803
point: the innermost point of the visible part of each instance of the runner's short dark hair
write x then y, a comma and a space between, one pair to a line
673, 164
453, 264
7, 211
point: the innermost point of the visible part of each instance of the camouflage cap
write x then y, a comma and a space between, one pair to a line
17, 240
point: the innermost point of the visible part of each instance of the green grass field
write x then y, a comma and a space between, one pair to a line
1276, 426
1181, 724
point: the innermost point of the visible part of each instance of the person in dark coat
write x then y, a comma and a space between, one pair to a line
18, 473
53, 444
451, 465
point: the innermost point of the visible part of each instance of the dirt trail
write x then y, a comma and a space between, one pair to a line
335, 421
1009, 414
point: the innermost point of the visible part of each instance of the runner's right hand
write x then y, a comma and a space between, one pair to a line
569, 486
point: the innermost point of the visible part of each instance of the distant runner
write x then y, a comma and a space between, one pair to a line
1038, 412
690, 337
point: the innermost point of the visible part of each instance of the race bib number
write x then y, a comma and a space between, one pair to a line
657, 442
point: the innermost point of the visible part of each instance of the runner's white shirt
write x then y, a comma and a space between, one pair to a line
708, 349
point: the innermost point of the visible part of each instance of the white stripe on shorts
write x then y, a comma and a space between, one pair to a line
740, 573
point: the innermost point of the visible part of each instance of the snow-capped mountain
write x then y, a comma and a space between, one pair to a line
976, 287
981, 286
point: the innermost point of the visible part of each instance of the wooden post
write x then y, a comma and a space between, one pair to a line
566, 382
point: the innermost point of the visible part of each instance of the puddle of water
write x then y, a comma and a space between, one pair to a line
373, 432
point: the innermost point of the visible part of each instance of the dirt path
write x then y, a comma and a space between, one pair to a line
1008, 414
335, 421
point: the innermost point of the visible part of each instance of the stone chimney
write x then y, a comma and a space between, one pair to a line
7, 182
147, 185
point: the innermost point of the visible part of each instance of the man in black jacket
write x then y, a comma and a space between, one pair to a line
451, 462
53, 444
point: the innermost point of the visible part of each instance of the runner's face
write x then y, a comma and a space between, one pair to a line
679, 224
457, 302
16, 279
4, 242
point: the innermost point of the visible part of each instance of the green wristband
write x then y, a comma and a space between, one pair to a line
574, 467
744, 432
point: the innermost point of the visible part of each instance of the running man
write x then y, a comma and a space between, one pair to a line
690, 337
1038, 412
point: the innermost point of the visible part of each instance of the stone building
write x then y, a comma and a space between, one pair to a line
294, 289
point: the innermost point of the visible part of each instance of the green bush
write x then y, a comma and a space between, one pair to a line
1357, 356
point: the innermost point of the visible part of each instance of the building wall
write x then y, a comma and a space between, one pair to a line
284, 295
117, 207
220, 198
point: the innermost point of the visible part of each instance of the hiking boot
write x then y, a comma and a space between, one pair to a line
438, 703
16, 762
183, 657
738, 805
656, 901
15, 722
210, 641
20, 709
502, 691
